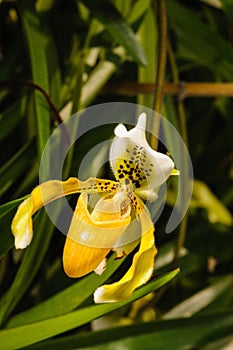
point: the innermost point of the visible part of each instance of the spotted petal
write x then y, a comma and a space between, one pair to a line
141, 269
134, 162
45, 193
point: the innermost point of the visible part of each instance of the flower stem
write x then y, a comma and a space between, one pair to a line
161, 16
184, 134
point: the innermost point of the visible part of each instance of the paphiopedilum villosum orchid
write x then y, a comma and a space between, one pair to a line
139, 171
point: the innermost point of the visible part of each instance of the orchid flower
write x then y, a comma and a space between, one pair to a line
139, 171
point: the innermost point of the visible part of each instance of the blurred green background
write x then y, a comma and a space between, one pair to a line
57, 57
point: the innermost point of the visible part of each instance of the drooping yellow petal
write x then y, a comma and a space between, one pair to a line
45, 193
142, 266
91, 236
22, 224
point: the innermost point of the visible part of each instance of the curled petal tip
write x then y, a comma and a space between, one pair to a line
22, 241
120, 131
22, 224
99, 296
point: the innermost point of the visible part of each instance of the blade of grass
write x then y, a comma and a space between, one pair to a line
147, 74
37, 44
6, 208
160, 335
73, 296
32, 259
9, 119
16, 166
32, 333
200, 300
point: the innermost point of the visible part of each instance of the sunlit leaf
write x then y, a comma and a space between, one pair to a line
203, 197
32, 333
170, 334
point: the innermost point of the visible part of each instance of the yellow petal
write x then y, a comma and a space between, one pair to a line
45, 193
22, 224
91, 236
142, 266
79, 260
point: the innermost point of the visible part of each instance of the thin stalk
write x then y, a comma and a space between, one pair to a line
181, 109
161, 15
184, 134
181, 237
37, 87
182, 89
34, 86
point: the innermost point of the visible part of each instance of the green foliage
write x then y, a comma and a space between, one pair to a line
55, 58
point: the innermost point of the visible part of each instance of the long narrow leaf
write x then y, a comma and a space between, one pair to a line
68, 299
16, 166
32, 333
200, 300
32, 260
117, 27
37, 44
198, 43
161, 335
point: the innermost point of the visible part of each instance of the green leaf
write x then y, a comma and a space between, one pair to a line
228, 9
6, 208
32, 333
204, 198
138, 9
198, 43
16, 166
44, 5
117, 27
148, 73
73, 296
221, 343
178, 334
32, 260
201, 299
9, 119
37, 44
